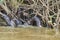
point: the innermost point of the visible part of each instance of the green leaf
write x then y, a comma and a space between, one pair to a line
50, 21
50, 16
1, 1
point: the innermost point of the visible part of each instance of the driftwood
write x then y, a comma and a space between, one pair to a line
40, 7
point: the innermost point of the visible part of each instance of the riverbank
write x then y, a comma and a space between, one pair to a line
8, 33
